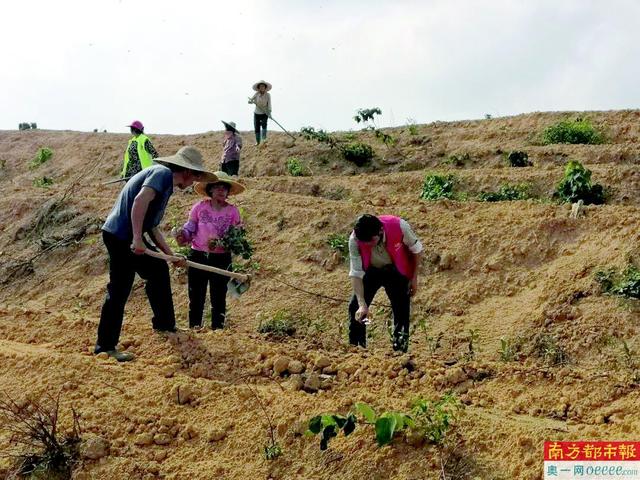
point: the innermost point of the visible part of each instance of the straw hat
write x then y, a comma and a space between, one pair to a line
222, 177
191, 159
230, 125
255, 85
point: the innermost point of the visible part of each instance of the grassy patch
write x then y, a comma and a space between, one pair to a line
507, 192
578, 131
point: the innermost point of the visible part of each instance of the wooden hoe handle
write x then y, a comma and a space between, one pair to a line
171, 258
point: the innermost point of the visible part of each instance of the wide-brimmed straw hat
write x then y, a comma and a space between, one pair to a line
255, 85
191, 159
222, 177
230, 125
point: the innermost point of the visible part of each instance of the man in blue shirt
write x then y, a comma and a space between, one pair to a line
138, 211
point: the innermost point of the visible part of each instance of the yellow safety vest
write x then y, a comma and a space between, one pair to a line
146, 160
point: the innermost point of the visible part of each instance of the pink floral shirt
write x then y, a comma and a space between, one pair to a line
206, 224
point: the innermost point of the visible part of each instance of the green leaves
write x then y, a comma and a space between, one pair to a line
576, 185
329, 425
436, 187
42, 156
366, 411
340, 243
236, 242
507, 192
576, 131
294, 167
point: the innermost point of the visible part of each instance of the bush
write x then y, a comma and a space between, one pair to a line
358, 153
42, 156
43, 182
294, 167
577, 131
321, 136
436, 187
507, 192
281, 324
432, 420
576, 185
519, 159
624, 284
24, 126
34, 126
236, 242
340, 243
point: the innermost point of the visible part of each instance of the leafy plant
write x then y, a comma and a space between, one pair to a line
40, 448
321, 136
357, 152
235, 241
519, 159
294, 167
507, 192
624, 284
472, 338
281, 324
365, 115
42, 156
508, 351
330, 424
578, 131
576, 185
43, 182
412, 127
436, 187
432, 420
340, 243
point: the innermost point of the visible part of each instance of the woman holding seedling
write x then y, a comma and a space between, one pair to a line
262, 100
213, 227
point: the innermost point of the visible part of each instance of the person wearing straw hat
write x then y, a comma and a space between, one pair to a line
210, 220
232, 144
139, 153
262, 100
137, 212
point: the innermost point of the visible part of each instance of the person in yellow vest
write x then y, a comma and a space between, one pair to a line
140, 153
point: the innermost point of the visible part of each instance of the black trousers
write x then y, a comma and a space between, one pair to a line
260, 121
230, 168
198, 281
396, 286
123, 266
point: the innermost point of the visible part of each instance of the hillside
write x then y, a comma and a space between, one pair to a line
522, 271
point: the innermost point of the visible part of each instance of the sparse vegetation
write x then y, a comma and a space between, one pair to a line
457, 160
294, 167
576, 185
320, 136
357, 152
472, 338
340, 243
40, 448
43, 182
428, 420
42, 156
519, 159
509, 350
547, 348
412, 127
436, 187
578, 131
27, 126
281, 324
507, 192
624, 284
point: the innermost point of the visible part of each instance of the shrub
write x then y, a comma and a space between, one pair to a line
432, 420
24, 126
576, 131
507, 192
40, 448
42, 156
281, 324
43, 182
576, 185
624, 284
519, 159
34, 126
321, 136
436, 187
356, 152
236, 242
340, 243
294, 167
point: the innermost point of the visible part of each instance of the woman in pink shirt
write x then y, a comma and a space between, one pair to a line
209, 221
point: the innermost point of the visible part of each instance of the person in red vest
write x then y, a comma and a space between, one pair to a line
384, 252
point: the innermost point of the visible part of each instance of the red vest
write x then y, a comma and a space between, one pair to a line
398, 251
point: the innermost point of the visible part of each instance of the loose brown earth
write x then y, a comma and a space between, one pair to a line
515, 270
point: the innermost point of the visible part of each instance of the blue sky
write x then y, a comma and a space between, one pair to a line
181, 67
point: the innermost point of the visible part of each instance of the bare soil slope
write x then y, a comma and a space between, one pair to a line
522, 271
